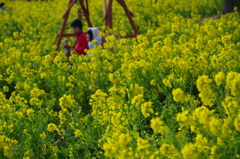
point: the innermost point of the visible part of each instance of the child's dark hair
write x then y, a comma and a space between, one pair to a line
2, 4
90, 33
77, 23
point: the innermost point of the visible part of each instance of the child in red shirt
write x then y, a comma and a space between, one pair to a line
81, 40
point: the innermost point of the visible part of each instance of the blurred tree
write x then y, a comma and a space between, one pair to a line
228, 6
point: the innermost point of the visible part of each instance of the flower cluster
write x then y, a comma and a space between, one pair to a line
171, 92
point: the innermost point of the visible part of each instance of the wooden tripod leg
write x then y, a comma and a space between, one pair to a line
79, 14
104, 8
88, 17
128, 13
105, 19
105, 13
108, 16
127, 9
86, 12
63, 28
69, 7
87, 5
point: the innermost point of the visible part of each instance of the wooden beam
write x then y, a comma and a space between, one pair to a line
127, 36
127, 9
69, 7
79, 14
108, 16
86, 13
128, 13
87, 5
66, 35
104, 8
63, 28
132, 35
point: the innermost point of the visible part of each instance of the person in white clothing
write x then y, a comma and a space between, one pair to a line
93, 34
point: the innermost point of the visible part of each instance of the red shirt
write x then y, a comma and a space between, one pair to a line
81, 43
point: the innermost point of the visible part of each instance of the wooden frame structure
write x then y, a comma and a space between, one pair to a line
107, 17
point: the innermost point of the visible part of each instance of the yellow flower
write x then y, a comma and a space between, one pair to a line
43, 75
124, 140
175, 28
167, 150
94, 41
206, 94
153, 82
220, 141
8, 152
158, 126
47, 88
225, 39
189, 151
226, 126
104, 27
37, 92
109, 150
202, 114
230, 105
5, 89
201, 142
184, 118
26, 87
34, 101
230, 77
237, 122
235, 85
215, 125
2, 143
219, 78
146, 109
67, 101
178, 95
113, 78
201, 81
213, 150
30, 113
78, 133
167, 83
142, 146
43, 135
52, 127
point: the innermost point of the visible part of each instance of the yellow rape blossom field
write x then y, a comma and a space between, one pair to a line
172, 92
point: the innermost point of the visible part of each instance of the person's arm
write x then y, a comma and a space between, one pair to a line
83, 45
67, 47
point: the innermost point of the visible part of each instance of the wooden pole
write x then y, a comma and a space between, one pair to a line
105, 18
63, 27
88, 17
107, 11
132, 35
104, 8
87, 6
106, 14
123, 4
109, 14
85, 12
69, 7
66, 35
79, 14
